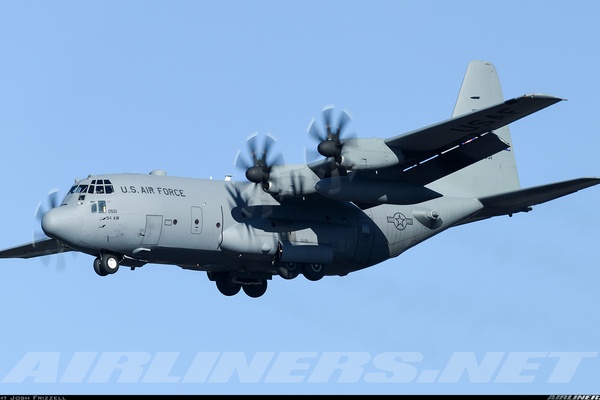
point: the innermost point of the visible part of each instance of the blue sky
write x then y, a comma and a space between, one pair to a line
507, 305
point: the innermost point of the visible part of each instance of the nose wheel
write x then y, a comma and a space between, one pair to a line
106, 264
98, 269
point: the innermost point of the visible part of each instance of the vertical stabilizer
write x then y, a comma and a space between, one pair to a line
498, 173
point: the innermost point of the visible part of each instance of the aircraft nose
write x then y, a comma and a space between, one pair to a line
63, 223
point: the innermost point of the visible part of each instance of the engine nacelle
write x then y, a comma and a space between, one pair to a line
358, 154
301, 246
291, 180
244, 239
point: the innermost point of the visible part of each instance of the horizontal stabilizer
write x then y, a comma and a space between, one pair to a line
522, 200
36, 249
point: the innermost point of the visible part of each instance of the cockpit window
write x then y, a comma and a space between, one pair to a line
97, 186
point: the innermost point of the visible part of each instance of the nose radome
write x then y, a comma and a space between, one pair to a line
63, 223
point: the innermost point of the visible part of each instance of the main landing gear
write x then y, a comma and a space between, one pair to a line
106, 264
311, 271
230, 285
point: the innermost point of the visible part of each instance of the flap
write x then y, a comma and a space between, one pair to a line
439, 165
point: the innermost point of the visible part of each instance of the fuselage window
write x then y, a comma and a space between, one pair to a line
101, 206
94, 207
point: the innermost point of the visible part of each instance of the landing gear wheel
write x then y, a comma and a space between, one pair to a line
313, 272
288, 270
227, 286
98, 268
256, 289
109, 263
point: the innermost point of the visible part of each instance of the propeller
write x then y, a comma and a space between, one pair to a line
331, 135
258, 168
52, 201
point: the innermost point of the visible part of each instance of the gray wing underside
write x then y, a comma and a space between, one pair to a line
35, 249
523, 199
424, 168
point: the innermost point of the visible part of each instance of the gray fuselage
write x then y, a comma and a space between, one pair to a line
214, 225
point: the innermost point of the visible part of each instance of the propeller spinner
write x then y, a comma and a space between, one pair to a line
52, 201
330, 136
258, 170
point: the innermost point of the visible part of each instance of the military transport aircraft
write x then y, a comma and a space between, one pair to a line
364, 201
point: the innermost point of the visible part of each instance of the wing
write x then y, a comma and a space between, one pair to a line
472, 124
522, 199
35, 249
435, 151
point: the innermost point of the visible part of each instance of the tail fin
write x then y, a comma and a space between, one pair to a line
498, 173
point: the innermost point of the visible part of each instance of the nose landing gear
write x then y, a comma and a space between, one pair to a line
106, 264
